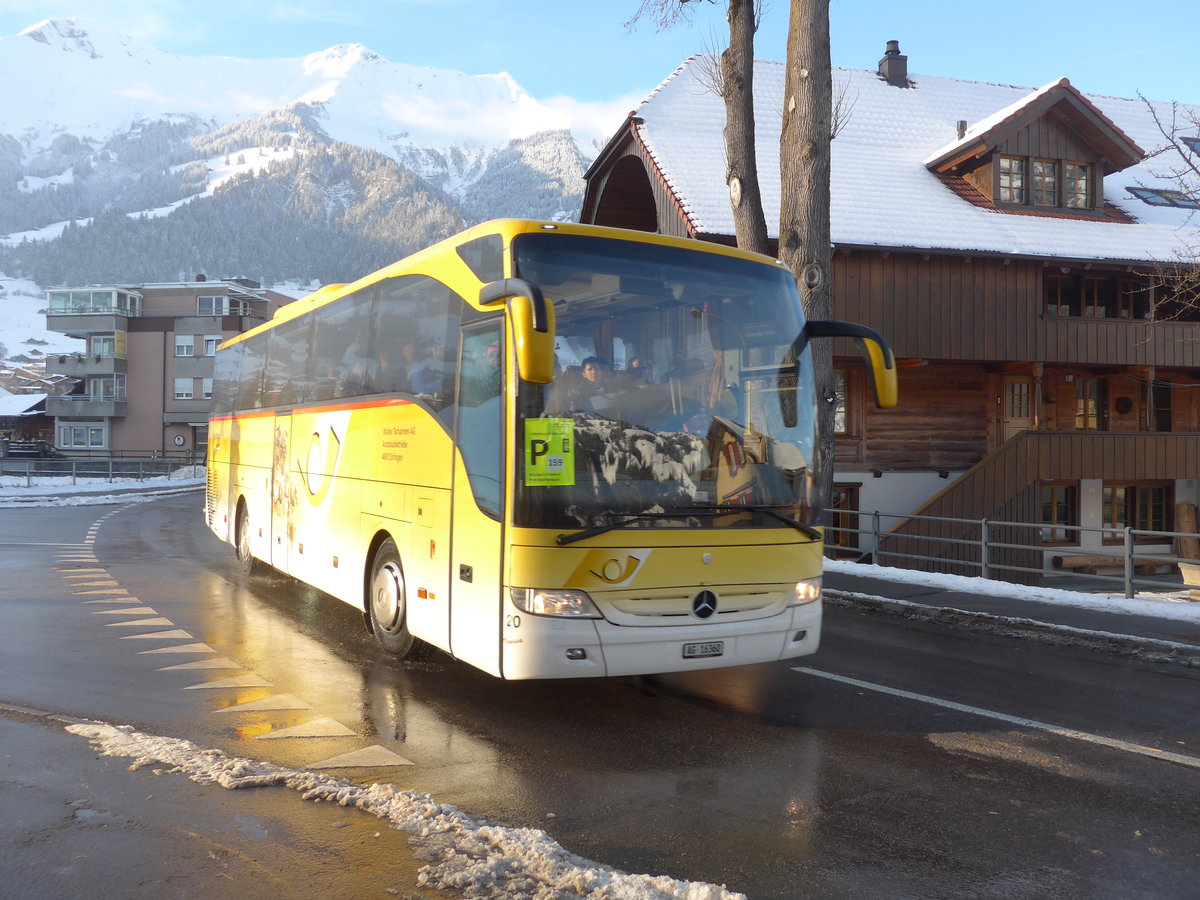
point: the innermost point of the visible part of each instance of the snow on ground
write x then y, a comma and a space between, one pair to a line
62, 490
1163, 604
473, 856
23, 322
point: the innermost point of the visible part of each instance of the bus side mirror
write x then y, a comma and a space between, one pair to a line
532, 318
876, 349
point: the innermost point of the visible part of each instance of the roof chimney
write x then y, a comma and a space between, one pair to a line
201, 277
894, 66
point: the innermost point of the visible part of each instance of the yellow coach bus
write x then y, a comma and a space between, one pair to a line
551, 450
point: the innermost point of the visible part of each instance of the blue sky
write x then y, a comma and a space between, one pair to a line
581, 49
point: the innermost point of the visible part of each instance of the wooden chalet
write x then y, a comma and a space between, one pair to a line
1005, 241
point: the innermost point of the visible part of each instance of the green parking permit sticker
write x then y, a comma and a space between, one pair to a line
549, 452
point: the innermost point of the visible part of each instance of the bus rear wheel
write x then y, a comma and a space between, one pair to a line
387, 602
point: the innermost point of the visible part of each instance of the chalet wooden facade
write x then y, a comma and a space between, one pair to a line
1005, 241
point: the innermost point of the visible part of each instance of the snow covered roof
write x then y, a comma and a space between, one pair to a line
19, 404
883, 191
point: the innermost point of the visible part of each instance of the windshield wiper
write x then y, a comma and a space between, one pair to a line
564, 539
771, 511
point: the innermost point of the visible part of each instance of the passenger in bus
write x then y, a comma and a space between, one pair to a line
421, 370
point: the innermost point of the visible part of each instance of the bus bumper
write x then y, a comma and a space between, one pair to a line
546, 647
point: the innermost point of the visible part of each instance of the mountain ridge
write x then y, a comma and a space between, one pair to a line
111, 141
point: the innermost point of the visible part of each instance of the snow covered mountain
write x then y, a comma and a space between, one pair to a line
119, 162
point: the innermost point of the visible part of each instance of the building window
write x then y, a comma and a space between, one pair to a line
185, 345
1142, 507
1089, 404
83, 436
1012, 179
1045, 182
206, 385
1062, 294
840, 419
104, 345
211, 341
842, 538
1077, 185
1060, 511
212, 306
184, 388
1099, 297
1133, 300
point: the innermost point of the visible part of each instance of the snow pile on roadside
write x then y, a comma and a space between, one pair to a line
473, 856
63, 490
1173, 604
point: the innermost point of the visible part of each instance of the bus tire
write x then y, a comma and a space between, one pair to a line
246, 561
387, 601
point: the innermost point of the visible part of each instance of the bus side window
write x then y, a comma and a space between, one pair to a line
411, 327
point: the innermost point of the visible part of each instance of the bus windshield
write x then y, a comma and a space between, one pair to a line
667, 405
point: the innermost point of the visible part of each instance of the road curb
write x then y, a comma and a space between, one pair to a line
1143, 648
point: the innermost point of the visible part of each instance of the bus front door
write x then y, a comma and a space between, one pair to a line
476, 565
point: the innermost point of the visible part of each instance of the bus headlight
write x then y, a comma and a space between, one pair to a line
555, 603
807, 591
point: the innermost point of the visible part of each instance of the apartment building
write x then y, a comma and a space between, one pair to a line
144, 372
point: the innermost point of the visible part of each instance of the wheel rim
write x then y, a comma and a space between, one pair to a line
387, 597
243, 536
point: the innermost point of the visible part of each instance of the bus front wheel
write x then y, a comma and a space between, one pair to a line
246, 559
387, 604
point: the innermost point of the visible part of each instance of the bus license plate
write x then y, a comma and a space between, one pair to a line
708, 648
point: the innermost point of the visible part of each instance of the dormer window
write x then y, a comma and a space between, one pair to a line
1051, 183
1077, 191
1012, 179
1047, 154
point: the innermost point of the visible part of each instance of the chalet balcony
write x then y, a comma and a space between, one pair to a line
1119, 342
84, 406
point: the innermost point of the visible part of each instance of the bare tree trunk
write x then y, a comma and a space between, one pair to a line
804, 160
737, 89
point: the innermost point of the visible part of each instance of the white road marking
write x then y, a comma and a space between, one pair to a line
182, 648
219, 663
371, 757
176, 635
236, 681
139, 623
317, 728
268, 704
1061, 731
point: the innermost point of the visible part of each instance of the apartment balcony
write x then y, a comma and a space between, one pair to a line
84, 406
82, 324
81, 365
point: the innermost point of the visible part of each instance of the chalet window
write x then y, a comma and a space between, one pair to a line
1144, 507
1045, 182
1089, 404
844, 517
1077, 185
1133, 300
1099, 297
1060, 511
840, 419
1012, 179
1096, 295
1062, 294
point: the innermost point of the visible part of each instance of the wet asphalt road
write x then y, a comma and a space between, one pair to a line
775, 782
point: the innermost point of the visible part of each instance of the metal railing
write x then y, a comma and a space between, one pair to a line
1133, 550
84, 470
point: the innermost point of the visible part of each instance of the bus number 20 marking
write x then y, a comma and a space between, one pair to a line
512, 621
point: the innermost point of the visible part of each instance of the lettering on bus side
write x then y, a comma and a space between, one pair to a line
395, 441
